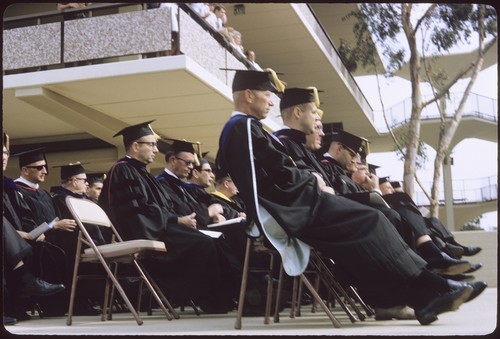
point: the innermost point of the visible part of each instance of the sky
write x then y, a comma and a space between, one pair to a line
397, 90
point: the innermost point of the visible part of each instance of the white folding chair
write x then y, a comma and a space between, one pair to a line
109, 256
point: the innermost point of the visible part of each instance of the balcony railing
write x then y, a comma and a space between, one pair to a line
465, 191
477, 106
48, 40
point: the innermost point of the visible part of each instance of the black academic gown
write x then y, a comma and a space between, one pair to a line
39, 201
370, 253
183, 201
14, 247
16, 210
193, 266
404, 205
50, 262
68, 242
344, 185
295, 143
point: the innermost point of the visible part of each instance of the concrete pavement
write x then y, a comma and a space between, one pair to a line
476, 318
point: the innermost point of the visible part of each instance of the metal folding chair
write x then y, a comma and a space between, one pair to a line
255, 245
109, 256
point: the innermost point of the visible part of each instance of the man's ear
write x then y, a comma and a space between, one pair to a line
297, 112
249, 96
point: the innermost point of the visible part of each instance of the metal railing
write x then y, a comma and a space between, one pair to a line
37, 20
478, 106
464, 191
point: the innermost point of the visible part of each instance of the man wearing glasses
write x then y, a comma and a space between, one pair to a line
179, 162
193, 268
33, 167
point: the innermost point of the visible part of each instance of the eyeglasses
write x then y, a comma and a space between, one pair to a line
150, 143
349, 150
84, 179
38, 168
187, 162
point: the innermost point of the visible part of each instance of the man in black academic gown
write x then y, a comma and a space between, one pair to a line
74, 183
371, 253
18, 248
193, 268
53, 262
180, 160
34, 168
342, 159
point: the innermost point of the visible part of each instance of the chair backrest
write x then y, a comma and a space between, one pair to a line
87, 211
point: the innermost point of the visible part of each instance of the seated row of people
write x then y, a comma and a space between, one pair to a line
284, 186
375, 250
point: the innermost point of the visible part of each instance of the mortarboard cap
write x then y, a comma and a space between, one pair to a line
71, 169
134, 132
353, 142
182, 146
178, 145
220, 174
6, 141
395, 184
258, 80
95, 177
297, 96
373, 168
31, 156
383, 180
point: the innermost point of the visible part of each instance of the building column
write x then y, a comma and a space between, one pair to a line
448, 193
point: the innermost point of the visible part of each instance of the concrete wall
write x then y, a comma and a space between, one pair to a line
488, 256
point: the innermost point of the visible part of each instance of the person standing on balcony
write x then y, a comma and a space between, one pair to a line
250, 54
215, 18
174, 18
62, 6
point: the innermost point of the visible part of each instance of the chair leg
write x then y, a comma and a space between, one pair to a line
243, 287
74, 280
325, 308
155, 291
317, 281
269, 296
332, 285
293, 307
369, 311
195, 308
278, 294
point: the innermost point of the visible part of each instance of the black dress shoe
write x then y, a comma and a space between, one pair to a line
448, 265
471, 250
446, 302
9, 321
40, 288
474, 268
453, 251
459, 277
477, 287
20, 315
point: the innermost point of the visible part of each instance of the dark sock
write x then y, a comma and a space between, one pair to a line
454, 242
428, 250
23, 275
425, 286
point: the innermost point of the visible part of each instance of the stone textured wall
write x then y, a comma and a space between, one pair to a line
32, 46
201, 46
117, 35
